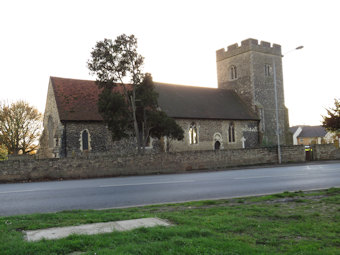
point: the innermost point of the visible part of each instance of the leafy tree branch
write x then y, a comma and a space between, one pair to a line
128, 101
332, 121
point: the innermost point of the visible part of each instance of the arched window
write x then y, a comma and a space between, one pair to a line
231, 133
193, 136
233, 73
85, 141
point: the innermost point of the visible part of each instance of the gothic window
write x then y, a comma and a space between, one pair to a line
85, 142
193, 135
233, 73
231, 133
267, 70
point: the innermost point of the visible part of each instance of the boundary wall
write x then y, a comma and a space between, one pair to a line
108, 165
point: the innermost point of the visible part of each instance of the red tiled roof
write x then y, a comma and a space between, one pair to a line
76, 99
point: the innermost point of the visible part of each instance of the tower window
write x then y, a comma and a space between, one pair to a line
193, 136
267, 70
233, 73
231, 133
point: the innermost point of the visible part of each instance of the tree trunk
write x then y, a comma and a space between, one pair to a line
135, 125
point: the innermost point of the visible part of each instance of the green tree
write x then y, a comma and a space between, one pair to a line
332, 121
166, 127
113, 108
20, 127
128, 102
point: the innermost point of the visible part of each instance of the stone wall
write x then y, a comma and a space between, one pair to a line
107, 165
325, 152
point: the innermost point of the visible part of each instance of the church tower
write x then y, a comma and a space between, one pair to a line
250, 70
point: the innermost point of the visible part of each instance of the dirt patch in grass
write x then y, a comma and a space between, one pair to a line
283, 198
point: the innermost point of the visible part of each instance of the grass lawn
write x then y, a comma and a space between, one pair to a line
286, 223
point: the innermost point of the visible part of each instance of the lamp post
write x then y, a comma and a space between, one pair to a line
276, 105
297, 48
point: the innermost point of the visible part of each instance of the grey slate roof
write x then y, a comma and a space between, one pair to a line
293, 129
312, 131
180, 101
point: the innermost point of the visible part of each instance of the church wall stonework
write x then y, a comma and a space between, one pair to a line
243, 82
255, 84
98, 135
53, 128
100, 139
207, 129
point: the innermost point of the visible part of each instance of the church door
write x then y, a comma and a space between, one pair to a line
217, 145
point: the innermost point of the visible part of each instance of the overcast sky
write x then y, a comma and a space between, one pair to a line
178, 39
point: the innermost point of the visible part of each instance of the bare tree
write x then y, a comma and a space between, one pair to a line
20, 127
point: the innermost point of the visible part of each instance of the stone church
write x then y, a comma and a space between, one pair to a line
240, 113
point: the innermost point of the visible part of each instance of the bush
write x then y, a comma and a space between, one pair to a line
3, 153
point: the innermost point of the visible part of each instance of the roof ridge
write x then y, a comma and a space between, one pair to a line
182, 85
63, 78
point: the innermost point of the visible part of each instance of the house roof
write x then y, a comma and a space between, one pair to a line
311, 131
77, 101
293, 129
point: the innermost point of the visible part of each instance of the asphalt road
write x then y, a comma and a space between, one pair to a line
26, 198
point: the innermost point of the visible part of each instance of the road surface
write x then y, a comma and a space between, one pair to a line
26, 198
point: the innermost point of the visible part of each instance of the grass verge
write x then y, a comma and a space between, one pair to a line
286, 223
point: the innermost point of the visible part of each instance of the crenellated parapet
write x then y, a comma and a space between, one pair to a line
248, 45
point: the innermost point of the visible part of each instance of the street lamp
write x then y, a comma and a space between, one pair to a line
276, 105
297, 48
